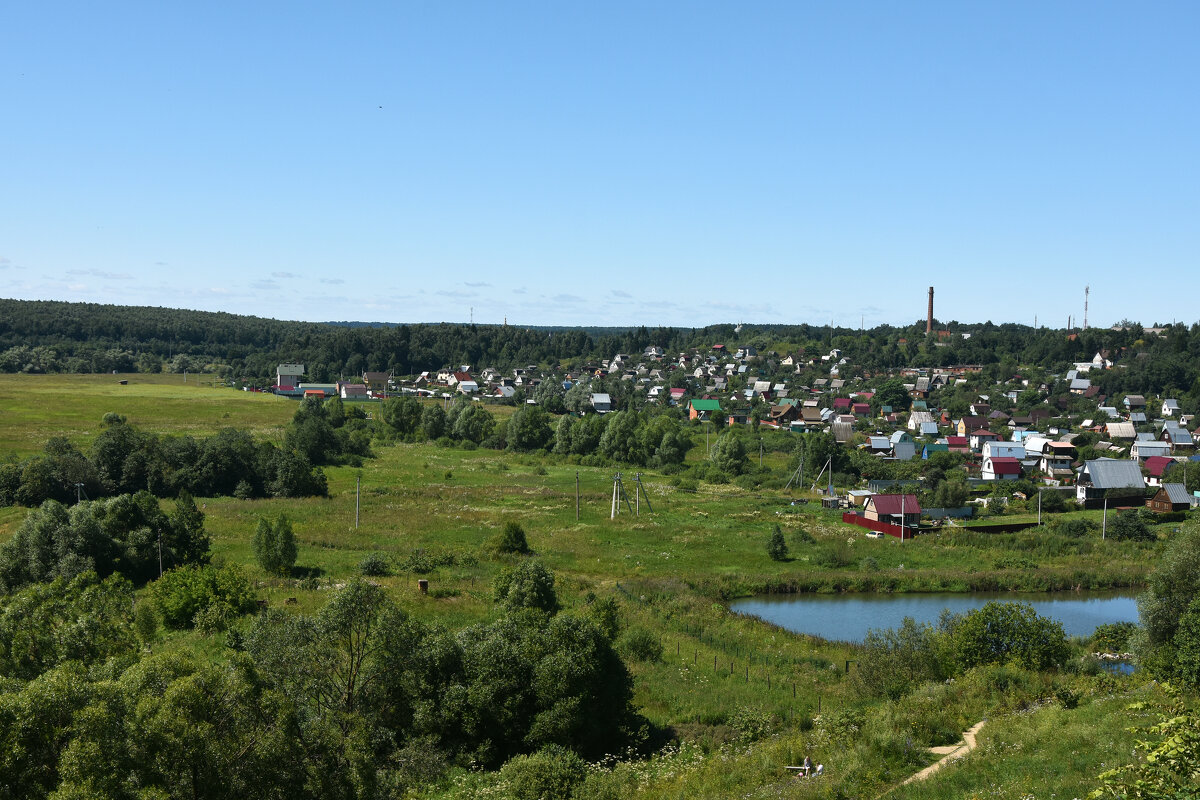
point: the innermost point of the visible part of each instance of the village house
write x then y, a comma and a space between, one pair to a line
702, 409
288, 375
1109, 478
1171, 497
1142, 450
897, 509
1000, 468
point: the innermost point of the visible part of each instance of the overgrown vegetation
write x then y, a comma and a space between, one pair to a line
510, 660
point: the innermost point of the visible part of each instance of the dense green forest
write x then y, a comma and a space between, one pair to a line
45, 337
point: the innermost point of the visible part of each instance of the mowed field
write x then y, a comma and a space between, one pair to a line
38, 407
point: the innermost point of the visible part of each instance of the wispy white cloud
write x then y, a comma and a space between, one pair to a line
454, 293
284, 275
478, 285
619, 293
96, 273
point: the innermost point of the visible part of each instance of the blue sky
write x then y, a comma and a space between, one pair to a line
604, 163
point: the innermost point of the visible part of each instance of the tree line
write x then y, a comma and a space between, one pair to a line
51, 336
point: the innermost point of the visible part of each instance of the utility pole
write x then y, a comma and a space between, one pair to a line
357, 498
160, 569
1104, 521
638, 478
577, 495
1039, 506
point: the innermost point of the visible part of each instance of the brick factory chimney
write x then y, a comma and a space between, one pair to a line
929, 318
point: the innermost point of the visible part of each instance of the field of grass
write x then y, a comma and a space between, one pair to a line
670, 568
38, 407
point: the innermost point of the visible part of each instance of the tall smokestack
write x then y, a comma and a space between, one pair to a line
929, 319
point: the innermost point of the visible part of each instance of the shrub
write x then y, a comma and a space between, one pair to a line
802, 536
549, 774
1113, 637
777, 548
530, 585
835, 556
1074, 528
640, 645
606, 615
751, 724
1000, 633
182, 593
213, 618
1067, 697
275, 545
146, 622
1129, 526
374, 565
895, 660
512, 539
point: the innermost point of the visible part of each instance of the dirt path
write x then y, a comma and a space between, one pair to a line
948, 753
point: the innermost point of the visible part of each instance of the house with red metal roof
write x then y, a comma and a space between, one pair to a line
1156, 467
898, 509
1000, 468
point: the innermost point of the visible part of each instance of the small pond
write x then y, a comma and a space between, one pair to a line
848, 617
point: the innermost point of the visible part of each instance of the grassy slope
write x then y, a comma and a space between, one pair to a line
450, 499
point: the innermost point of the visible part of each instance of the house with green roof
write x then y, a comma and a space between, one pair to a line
702, 409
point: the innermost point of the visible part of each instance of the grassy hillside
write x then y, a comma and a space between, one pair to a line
742, 695
38, 407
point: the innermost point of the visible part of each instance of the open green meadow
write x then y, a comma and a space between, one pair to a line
745, 698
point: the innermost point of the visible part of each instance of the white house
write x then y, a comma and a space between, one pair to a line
288, 374
1004, 450
1141, 450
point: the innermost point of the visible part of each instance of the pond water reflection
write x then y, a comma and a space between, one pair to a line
848, 617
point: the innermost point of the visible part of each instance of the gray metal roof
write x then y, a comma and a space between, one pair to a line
1177, 493
1179, 436
1114, 473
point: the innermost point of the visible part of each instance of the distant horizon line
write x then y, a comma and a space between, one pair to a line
628, 326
